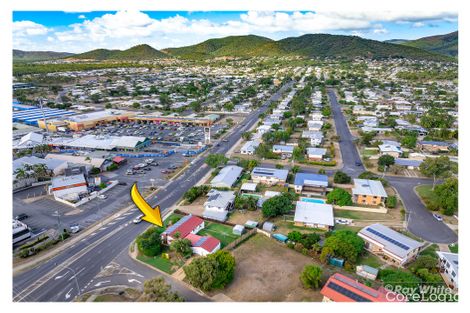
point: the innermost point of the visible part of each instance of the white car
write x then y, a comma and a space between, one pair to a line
102, 197
437, 217
138, 219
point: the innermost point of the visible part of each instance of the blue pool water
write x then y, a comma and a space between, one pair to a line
313, 200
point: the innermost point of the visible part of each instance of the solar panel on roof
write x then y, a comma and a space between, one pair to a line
379, 234
200, 241
346, 292
264, 172
358, 286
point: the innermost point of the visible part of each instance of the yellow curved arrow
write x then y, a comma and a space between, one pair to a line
151, 215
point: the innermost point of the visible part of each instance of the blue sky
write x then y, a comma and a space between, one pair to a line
82, 31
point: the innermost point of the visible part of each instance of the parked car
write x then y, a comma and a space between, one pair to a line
122, 183
74, 228
358, 163
102, 197
129, 172
437, 217
21, 216
138, 219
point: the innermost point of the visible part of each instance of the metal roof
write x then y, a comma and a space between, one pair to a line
227, 176
392, 241
270, 172
368, 187
314, 213
309, 179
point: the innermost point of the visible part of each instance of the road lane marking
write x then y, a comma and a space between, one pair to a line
102, 282
68, 295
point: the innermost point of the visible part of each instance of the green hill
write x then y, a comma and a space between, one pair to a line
140, 52
443, 44
312, 45
236, 46
31, 56
396, 41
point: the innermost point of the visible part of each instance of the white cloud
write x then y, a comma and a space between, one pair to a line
81, 16
28, 28
124, 28
418, 24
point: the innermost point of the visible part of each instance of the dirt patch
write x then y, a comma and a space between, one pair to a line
269, 271
241, 217
192, 209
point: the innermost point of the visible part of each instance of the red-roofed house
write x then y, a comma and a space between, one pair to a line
340, 288
188, 227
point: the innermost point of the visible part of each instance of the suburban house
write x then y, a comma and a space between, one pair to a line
316, 137
408, 163
369, 192
227, 176
269, 176
389, 244
316, 116
389, 147
218, 204
316, 154
340, 288
433, 146
263, 129
282, 149
69, 187
314, 125
188, 227
449, 268
250, 147
307, 183
315, 215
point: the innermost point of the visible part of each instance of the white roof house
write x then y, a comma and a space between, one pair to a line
249, 147
248, 187
368, 187
314, 214
263, 173
227, 176
283, 149
392, 243
218, 204
100, 142
449, 262
316, 153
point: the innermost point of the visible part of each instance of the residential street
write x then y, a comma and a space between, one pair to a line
92, 254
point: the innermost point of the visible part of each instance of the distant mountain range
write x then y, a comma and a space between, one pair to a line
311, 45
447, 44
30, 56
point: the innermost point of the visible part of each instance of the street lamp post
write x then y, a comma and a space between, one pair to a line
74, 275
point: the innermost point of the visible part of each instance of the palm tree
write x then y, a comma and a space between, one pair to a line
21, 173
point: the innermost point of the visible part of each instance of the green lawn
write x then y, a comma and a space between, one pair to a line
371, 260
347, 214
368, 152
454, 248
355, 229
168, 266
219, 231
425, 193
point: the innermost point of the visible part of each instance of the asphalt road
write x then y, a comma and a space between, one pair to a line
87, 258
420, 221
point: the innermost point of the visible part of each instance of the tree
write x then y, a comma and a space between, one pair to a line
225, 268
149, 243
248, 165
201, 272
343, 244
214, 160
246, 136
294, 236
435, 168
386, 160
409, 141
157, 290
295, 169
245, 203
391, 202
447, 196
211, 272
339, 197
96, 97
341, 178
182, 247
136, 105
366, 137
424, 261
394, 278
311, 276
277, 205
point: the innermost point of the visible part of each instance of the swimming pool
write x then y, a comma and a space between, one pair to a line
313, 200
